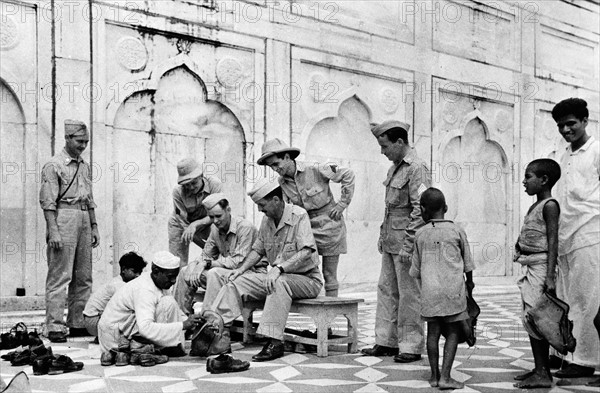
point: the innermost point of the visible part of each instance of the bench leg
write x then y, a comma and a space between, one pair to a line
353, 330
322, 338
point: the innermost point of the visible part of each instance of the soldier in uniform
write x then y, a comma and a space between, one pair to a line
190, 221
71, 232
398, 326
307, 185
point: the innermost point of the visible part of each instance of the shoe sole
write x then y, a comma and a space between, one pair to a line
212, 371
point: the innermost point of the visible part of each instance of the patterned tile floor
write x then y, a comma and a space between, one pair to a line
502, 351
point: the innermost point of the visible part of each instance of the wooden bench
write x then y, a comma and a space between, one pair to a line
323, 310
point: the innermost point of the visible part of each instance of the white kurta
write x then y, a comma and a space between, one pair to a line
141, 308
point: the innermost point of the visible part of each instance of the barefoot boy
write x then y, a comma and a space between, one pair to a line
440, 258
537, 251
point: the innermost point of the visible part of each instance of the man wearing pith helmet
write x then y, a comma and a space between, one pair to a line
307, 185
286, 241
71, 232
398, 326
189, 221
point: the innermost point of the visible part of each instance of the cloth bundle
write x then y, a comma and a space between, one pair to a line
549, 319
210, 337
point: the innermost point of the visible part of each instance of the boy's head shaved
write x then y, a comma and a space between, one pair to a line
546, 167
433, 199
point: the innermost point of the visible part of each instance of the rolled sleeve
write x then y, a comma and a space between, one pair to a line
50, 187
344, 176
420, 180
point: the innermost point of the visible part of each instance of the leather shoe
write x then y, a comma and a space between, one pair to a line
107, 358
407, 357
574, 371
272, 350
78, 332
225, 364
380, 350
57, 337
121, 359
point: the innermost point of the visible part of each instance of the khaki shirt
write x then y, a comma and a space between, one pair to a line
310, 186
56, 176
189, 206
279, 244
231, 248
404, 185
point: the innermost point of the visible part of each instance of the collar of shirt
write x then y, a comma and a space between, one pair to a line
585, 146
286, 217
300, 167
67, 157
233, 225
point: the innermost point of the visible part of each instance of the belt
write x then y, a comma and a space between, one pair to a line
397, 211
322, 210
533, 252
74, 206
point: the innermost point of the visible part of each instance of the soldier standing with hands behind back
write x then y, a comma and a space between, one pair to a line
71, 232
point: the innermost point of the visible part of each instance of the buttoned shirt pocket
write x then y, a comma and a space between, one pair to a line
316, 197
398, 192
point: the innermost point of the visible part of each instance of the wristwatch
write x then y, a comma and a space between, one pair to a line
280, 268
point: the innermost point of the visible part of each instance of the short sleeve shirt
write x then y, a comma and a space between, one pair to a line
440, 258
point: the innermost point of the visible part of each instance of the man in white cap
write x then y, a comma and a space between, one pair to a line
307, 186
286, 240
71, 232
189, 221
142, 313
229, 242
398, 325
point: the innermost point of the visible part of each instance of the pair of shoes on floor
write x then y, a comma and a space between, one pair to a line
29, 355
41, 364
273, 349
574, 371
57, 337
380, 350
224, 363
407, 357
18, 336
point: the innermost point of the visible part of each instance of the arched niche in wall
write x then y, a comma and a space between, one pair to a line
345, 138
12, 193
154, 128
474, 174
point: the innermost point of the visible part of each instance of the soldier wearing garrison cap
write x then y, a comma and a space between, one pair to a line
71, 231
307, 185
229, 242
285, 239
398, 325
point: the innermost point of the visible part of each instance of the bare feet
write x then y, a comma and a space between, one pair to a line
446, 384
522, 377
535, 381
595, 383
434, 380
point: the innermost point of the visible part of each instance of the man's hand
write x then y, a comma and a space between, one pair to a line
233, 275
272, 276
336, 212
470, 286
404, 256
550, 285
192, 321
190, 231
95, 236
193, 276
54, 239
